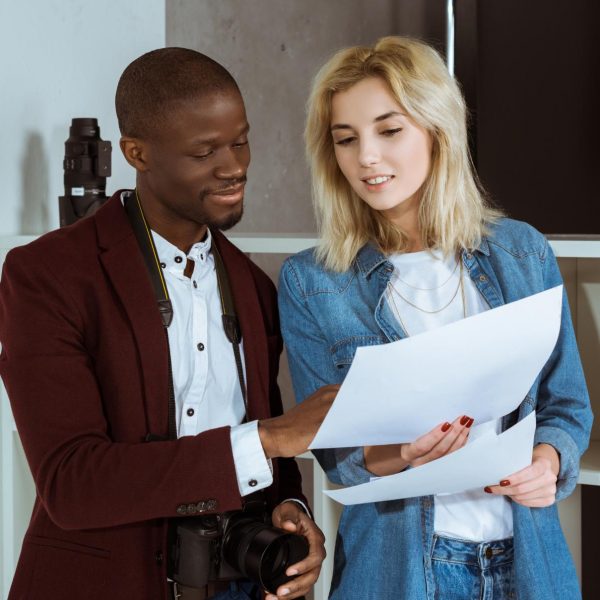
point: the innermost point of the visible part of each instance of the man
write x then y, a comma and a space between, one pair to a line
87, 365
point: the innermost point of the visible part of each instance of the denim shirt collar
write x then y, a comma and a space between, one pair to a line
370, 257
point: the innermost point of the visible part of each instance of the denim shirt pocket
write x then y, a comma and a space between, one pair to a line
343, 352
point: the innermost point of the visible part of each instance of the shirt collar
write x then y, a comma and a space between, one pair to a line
172, 257
369, 257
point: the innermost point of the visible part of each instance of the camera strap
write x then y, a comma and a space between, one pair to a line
231, 326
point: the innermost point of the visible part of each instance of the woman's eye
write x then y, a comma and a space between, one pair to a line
391, 132
345, 141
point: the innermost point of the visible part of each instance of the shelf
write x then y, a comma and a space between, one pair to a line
589, 472
270, 243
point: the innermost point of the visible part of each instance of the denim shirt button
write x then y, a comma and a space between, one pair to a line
483, 278
469, 256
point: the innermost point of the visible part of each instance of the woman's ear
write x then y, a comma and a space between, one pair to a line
134, 152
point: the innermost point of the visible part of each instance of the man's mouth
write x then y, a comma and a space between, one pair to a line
231, 194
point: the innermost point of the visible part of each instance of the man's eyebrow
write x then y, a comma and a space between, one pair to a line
387, 115
213, 139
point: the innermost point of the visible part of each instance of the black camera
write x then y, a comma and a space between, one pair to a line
240, 544
86, 166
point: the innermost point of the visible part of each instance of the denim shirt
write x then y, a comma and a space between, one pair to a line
383, 549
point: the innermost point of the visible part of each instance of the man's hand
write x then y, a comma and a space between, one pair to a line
291, 433
535, 485
290, 517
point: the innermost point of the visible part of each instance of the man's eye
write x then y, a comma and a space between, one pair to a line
345, 141
391, 132
241, 143
202, 156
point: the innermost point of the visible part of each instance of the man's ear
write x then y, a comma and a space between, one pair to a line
135, 152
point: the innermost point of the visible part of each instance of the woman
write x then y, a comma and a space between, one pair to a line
408, 243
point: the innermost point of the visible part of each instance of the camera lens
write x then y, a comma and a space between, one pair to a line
263, 553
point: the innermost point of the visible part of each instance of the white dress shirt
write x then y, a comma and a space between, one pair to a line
205, 378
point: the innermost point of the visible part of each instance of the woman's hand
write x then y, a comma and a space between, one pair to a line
393, 458
535, 485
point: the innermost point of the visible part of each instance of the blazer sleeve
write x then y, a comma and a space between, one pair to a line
83, 478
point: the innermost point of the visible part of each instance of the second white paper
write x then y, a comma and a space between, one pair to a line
482, 366
485, 461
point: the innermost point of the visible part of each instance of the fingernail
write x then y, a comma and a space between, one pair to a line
291, 572
464, 420
487, 490
284, 592
505, 482
445, 427
471, 421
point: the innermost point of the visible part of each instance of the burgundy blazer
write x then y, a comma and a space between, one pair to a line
85, 364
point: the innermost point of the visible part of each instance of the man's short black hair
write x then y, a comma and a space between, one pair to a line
153, 84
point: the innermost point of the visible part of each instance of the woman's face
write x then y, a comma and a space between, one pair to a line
384, 155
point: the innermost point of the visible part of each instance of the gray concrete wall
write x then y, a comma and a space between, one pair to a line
273, 48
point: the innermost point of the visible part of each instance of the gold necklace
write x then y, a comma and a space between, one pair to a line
391, 289
437, 287
437, 310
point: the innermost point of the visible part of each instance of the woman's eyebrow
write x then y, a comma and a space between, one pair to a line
383, 117
387, 115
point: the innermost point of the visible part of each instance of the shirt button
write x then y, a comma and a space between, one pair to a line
195, 284
178, 259
189, 412
489, 553
482, 278
163, 265
158, 557
202, 257
200, 346
253, 483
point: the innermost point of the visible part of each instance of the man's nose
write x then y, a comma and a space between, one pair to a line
234, 163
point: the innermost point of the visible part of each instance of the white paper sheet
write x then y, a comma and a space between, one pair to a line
482, 366
485, 461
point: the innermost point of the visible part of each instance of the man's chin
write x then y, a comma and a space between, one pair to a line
228, 221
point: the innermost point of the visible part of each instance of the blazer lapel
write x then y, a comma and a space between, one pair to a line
256, 351
125, 268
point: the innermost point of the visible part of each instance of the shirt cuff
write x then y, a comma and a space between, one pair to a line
302, 505
251, 465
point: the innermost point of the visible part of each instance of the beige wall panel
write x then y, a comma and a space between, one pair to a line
568, 270
588, 330
273, 48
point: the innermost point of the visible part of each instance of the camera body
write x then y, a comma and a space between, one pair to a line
240, 544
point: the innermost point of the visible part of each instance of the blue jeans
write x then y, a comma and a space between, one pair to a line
465, 570
240, 590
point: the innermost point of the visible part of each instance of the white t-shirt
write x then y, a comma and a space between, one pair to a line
430, 281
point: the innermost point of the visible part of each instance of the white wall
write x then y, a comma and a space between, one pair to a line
61, 59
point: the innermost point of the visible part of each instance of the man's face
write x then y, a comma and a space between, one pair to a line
196, 164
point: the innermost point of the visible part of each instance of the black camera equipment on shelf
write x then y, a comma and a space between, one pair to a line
227, 546
86, 167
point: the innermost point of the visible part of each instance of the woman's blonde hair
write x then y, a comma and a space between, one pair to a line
453, 212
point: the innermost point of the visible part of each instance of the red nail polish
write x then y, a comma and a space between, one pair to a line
464, 420
487, 490
471, 421
505, 482
445, 427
